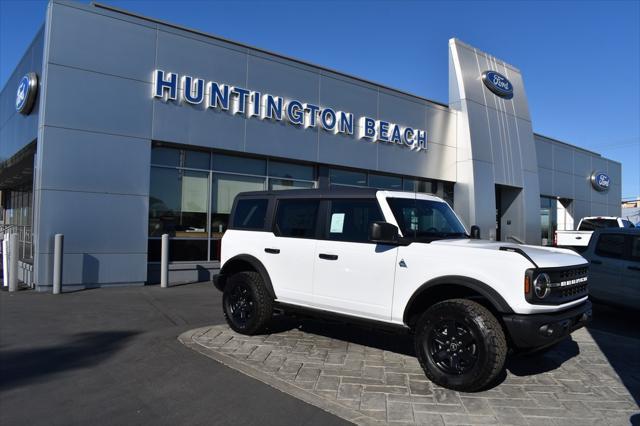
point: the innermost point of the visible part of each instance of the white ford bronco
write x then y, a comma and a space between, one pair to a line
399, 260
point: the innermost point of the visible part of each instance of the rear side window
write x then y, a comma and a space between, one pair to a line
349, 220
610, 245
250, 214
593, 224
296, 218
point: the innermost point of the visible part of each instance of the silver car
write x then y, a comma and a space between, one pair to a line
614, 275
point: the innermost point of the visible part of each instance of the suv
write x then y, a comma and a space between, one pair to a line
399, 260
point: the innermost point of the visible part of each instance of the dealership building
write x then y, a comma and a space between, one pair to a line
117, 128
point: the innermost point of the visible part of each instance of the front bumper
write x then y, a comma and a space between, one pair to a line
531, 331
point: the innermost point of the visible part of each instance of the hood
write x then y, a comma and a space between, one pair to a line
544, 257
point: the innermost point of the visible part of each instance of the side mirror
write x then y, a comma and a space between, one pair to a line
475, 232
383, 233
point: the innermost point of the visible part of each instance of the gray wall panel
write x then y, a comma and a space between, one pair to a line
563, 185
347, 151
441, 126
545, 179
544, 152
563, 159
598, 209
349, 97
95, 162
90, 269
97, 222
195, 125
96, 42
481, 148
97, 102
277, 78
210, 61
581, 164
401, 110
582, 187
281, 139
438, 162
580, 209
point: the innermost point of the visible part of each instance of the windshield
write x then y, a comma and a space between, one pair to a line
425, 219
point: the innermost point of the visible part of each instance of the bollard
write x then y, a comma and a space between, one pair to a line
57, 263
13, 262
5, 260
164, 262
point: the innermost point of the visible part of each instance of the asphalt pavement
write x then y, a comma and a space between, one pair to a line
111, 356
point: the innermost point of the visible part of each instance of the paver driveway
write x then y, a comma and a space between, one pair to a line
381, 381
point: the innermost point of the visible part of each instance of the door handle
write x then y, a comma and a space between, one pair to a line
596, 262
328, 256
634, 268
272, 250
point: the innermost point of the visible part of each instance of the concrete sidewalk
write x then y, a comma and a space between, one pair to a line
111, 356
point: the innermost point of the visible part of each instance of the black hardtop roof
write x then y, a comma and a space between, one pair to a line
340, 192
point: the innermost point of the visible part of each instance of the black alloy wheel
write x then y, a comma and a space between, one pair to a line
241, 305
246, 303
460, 345
452, 347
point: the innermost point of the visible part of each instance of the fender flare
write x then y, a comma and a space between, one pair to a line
485, 290
255, 264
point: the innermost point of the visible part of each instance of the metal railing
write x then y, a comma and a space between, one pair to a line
25, 239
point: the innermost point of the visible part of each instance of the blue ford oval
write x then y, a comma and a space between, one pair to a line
498, 84
601, 181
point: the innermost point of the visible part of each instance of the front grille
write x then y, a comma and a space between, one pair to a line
573, 273
578, 290
568, 285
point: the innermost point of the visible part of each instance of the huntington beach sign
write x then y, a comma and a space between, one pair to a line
264, 106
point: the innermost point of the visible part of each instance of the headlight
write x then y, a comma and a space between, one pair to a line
541, 285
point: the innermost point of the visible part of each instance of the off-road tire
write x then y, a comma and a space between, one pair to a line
250, 288
488, 342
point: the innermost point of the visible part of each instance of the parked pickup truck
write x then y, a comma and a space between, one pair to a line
586, 226
402, 261
614, 277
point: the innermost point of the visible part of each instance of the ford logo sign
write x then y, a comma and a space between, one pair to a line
600, 181
26, 93
498, 84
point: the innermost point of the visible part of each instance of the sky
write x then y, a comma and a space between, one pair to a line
580, 59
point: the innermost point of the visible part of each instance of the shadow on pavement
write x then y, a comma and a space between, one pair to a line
519, 365
19, 367
544, 361
617, 334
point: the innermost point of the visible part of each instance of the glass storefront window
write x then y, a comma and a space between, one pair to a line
181, 199
283, 184
290, 171
224, 190
197, 160
249, 166
385, 182
187, 250
347, 177
165, 156
416, 185
178, 203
